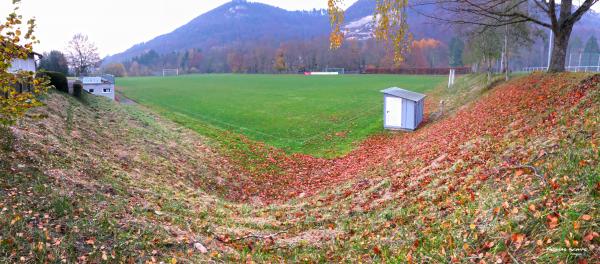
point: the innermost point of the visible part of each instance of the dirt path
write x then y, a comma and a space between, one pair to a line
124, 100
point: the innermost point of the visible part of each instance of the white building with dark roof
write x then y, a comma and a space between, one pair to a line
29, 64
100, 85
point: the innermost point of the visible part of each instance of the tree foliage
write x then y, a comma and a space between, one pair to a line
82, 54
592, 51
55, 61
457, 47
280, 64
559, 17
116, 69
391, 25
18, 91
484, 48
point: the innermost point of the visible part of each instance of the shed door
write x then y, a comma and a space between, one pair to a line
393, 111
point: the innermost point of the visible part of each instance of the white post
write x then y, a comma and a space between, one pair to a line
451, 77
598, 68
550, 47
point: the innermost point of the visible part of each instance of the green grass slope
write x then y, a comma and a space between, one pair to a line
316, 115
97, 182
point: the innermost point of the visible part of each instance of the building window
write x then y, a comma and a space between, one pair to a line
91, 90
106, 90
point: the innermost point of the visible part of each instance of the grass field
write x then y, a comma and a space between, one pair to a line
317, 115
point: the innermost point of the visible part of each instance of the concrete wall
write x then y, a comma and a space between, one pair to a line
98, 89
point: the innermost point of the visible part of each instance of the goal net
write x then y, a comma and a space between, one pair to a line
338, 70
170, 72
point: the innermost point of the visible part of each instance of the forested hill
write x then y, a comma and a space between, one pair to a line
234, 22
241, 22
244, 36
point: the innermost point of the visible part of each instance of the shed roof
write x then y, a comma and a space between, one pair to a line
406, 94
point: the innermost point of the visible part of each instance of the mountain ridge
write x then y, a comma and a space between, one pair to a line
241, 22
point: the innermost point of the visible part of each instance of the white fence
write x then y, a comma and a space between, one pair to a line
571, 69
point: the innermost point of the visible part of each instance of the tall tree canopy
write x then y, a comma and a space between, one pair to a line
456, 52
559, 17
55, 61
82, 54
391, 22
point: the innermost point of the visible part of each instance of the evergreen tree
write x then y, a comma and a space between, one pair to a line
55, 61
456, 52
591, 52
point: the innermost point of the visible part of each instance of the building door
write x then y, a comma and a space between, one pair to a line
393, 111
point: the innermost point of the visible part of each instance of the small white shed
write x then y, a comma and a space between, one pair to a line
402, 109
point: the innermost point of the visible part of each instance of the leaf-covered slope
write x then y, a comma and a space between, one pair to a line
512, 176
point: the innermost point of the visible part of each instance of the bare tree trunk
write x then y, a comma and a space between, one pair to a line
506, 77
559, 51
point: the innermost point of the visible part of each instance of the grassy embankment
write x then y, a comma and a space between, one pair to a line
101, 182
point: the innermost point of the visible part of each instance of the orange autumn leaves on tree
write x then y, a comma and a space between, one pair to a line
391, 25
17, 44
420, 50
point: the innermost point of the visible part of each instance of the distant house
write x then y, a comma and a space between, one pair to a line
29, 64
100, 85
403, 109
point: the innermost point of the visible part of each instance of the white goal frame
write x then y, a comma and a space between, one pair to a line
338, 70
165, 71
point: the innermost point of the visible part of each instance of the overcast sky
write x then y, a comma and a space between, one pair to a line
116, 25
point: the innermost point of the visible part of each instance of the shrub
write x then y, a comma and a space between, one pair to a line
77, 89
59, 80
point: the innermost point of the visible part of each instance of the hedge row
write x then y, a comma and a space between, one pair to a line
57, 79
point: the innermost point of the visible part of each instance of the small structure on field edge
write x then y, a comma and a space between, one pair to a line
101, 85
402, 109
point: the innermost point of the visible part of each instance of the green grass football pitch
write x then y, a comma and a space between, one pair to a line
318, 115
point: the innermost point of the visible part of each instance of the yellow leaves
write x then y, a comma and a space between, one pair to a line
15, 219
16, 101
466, 247
390, 25
40, 246
336, 19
